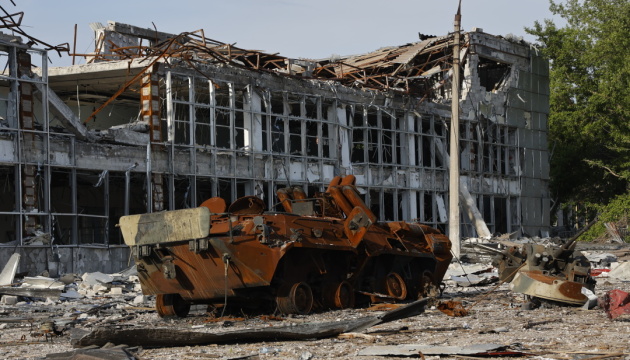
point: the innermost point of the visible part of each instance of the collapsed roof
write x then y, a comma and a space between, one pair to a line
411, 68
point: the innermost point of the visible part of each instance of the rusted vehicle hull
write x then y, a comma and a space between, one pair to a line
298, 260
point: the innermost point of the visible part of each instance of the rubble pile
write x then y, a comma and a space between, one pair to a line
106, 316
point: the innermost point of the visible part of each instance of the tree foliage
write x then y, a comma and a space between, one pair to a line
589, 122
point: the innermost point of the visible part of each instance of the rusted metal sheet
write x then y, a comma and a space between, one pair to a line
298, 261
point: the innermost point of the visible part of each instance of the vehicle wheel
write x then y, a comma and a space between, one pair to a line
427, 286
394, 286
171, 305
338, 295
295, 298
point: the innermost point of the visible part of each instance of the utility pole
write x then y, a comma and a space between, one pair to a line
453, 202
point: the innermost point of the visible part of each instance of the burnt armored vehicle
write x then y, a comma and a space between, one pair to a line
324, 252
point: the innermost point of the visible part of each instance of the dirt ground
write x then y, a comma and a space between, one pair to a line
497, 317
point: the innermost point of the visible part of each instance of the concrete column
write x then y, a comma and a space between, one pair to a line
453, 203
26, 118
257, 126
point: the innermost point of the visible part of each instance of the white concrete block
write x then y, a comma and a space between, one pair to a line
116, 291
8, 300
140, 299
99, 288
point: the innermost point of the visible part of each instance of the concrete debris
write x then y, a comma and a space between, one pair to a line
9, 270
42, 282
621, 271
96, 278
591, 299
599, 259
9, 300
31, 292
98, 319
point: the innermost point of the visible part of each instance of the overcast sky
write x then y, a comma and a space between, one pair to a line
293, 28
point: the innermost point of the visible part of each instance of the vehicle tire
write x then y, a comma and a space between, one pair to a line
394, 286
296, 298
168, 305
338, 295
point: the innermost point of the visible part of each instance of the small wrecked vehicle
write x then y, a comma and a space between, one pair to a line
558, 273
324, 252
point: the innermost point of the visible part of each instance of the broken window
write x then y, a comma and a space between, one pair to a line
277, 135
374, 202
92, 206
117, 181
428, 208
180, 90
325, 140
7, 203
204, 190
239, 98
401, 201
355, 115
242, 188
224, 189
222, 128
500, 215
5, 111
492, 74
181, 125
312, 138
402, 150
182, 192
222, 95
275, 107
425, 144
387, 139
202, 126
372, 145
389, 209
294, 103
512, 155
311, 107
241, 130
202, 91
373, 138
295, 137
62, 209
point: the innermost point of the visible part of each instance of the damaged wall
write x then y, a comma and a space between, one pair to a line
187, 130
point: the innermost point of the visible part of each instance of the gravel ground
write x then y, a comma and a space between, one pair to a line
496, 317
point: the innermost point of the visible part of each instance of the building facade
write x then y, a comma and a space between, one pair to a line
159, 121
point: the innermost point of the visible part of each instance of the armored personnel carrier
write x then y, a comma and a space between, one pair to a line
324, 252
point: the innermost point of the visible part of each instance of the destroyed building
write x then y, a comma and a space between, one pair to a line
155, 121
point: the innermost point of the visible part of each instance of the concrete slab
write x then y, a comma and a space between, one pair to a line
8, 273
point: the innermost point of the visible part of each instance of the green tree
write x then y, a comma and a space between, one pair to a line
589, 127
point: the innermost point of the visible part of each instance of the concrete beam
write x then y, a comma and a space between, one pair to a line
63, 112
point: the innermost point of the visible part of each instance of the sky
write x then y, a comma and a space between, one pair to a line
292, 28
